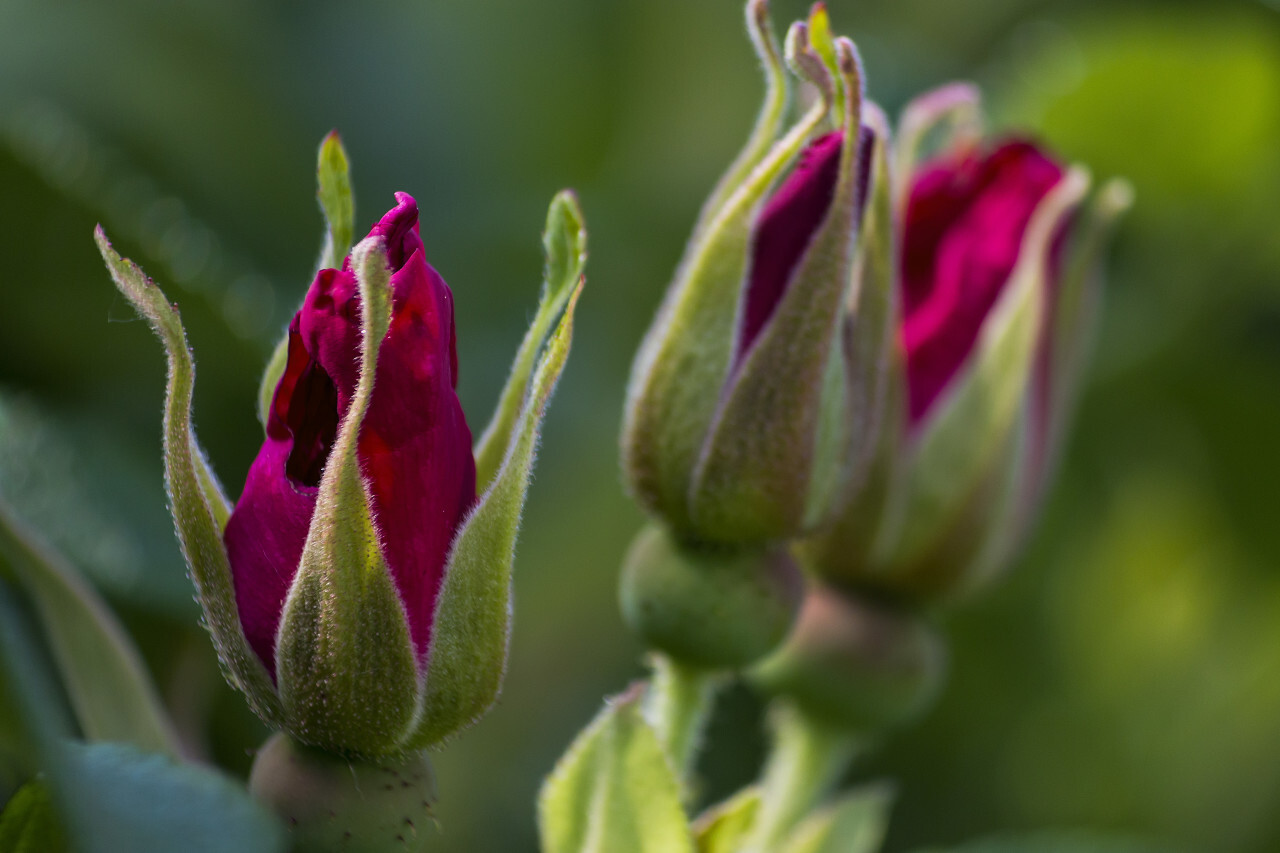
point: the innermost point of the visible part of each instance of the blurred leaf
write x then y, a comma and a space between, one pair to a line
124, 799
92, 500
1052, 843
30, 823
724, 827
614, 790
1186, 104
855, 823
109, 688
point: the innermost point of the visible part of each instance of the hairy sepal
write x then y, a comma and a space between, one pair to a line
471, 630
199, 507
347, 671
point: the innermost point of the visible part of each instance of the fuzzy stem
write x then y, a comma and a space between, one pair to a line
678, 705
806, 761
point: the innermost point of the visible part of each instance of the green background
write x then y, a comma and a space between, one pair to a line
1125, 677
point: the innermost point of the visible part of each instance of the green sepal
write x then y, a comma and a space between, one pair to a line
877, 383
30, 822
333, 192
471, 628
199, 507
276, 364
726, 826
953, 111
777, 95
683, 362
823, 40
345, 663
1066, 350
954, 463
103, 675
564, 242
758, 464
855, 823
614, 789
1078, 304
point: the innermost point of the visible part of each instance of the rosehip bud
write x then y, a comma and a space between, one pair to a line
705, 606
997, 284
856, 665
358, 593
737, 426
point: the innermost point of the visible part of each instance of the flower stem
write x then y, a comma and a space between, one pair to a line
677, 705
807, 759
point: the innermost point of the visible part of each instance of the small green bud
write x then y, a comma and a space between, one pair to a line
708, 606
330, 803
855, 665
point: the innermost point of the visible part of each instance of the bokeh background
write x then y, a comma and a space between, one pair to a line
1126, 677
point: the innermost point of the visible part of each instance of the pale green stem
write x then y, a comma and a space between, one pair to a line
806, 761
677, 705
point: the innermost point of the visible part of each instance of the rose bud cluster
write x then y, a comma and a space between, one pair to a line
358, 592
995, 254
745, 414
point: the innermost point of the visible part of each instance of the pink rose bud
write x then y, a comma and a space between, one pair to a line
414, 447
358, 593
996, 287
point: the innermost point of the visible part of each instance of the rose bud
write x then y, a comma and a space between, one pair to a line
358, 592
740, 407
997, 256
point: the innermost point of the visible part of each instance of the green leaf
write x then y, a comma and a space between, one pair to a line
681, 367
974, 425
472, 624
855, 823
345, 663
30, 823
753, 478
103, 675
118, 798
725, 827
196, 500
565, 244
614, 790
333, 191
113, 797
1055, 842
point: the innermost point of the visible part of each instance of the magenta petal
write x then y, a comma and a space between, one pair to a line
266, 532
964, 225
414, 445
783, 231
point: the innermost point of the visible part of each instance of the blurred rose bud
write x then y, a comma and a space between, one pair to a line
359, 591
742, 406
997, 281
